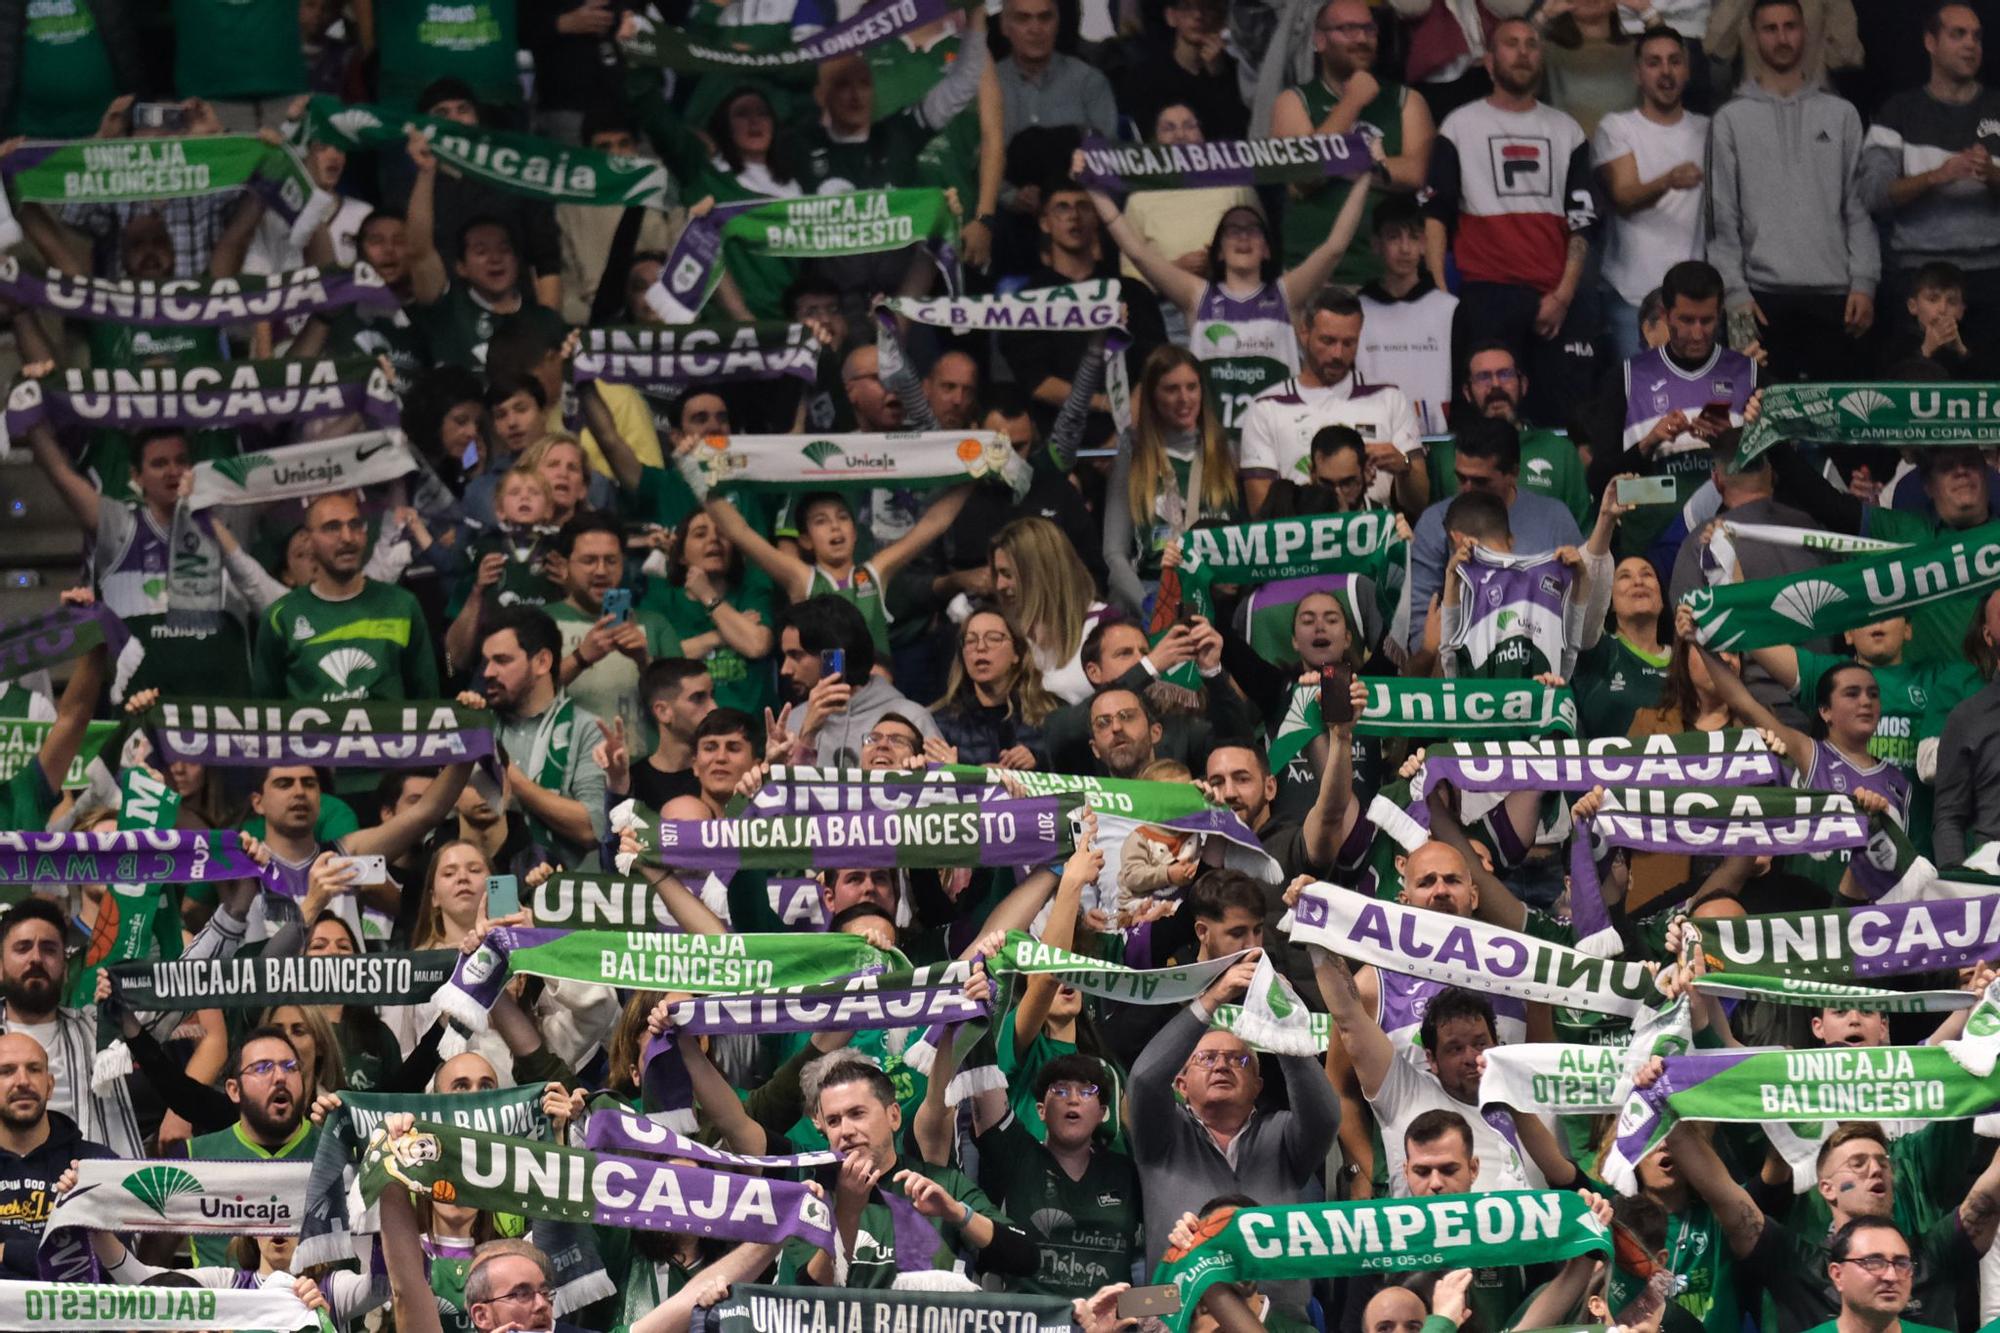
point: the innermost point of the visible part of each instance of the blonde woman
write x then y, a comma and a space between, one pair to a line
1173, 424
994, 703
1047, 593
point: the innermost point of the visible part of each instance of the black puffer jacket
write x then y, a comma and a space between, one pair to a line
116, 25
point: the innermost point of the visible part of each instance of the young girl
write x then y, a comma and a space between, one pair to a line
1239, 315
1173, 423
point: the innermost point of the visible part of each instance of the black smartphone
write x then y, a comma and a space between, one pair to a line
1336, 704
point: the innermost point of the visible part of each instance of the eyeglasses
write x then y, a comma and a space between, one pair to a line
1211, 1059
266, 1068
1124, 717
521, 1295
1875, 1265
995, 639
1505, 375
1073, 1092
895, 738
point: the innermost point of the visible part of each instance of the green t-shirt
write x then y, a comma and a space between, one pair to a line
610, 687
872, 1263
246, 49
472, 40
356, 331
1087, 1230
903, 75
522, 582
1549, 466
27, 801
1613, 681
739, 682
66, 77
1020, 1068
375, 645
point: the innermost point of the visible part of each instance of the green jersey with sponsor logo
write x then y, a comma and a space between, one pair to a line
374, 645
423, 40
65, 73
1087, 1230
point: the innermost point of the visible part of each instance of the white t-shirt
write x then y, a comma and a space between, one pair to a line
1644, 245
1278, 429
1406, 1093
1408, 344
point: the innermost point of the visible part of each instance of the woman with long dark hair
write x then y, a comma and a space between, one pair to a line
751, 162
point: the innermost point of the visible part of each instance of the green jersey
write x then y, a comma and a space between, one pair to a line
1613, 681
355, 331
248, 49
64, 70
1549, 466
864, 588
1311, 208
374, 645
473, 40
457, 326
1087, 1230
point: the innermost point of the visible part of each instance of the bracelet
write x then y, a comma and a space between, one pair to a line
965, 1221
710, 606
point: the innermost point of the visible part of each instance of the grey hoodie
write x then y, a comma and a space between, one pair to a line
1785, 206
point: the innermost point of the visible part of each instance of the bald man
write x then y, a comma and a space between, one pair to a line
36, 1146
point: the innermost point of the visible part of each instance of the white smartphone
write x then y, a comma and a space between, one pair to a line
369, 869
1645, 490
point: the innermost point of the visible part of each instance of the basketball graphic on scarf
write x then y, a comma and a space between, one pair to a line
104, 932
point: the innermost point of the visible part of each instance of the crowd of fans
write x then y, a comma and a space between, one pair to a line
1595, 237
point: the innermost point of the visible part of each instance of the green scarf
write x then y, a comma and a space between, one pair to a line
1426, 709
143, 171
1876, 412
1025, 955
1821, 603
21, 740
125, 914
84, 1307
1502, 1228
545, 169
1365, 542
548, 760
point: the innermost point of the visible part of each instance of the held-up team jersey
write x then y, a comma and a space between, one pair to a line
1513, 617
1245, 344
1279, 427
1407, 342
129, 560
1517, 185
1656, 385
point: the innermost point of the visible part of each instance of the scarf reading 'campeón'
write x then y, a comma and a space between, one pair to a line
1878, 412
1823, 602
545, 169
140, 171
504, 1174
1181, 166
205, 394
1418, 942
667, 360
91, 1307
325, 1236
1427, 709
255, 733
1365, 542
187, 303
653, 960
652, 43
757, 1309
917, 460
1006, 834
1082, 307
211, 1198
819, 226
129, 856
1442, 1231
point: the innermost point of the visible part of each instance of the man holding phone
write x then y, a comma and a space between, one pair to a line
606, 643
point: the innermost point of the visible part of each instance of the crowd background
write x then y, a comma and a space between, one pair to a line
1530, 338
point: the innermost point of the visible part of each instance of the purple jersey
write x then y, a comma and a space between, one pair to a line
1834, 771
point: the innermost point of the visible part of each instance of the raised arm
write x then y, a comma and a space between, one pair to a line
1695, 1161
792, 575
1729, 685
77, 492
1084, 867
625, 465
1313, 271
428, 278
1178, 285
1368, 1047
676, 1314
1335, 811
400, 832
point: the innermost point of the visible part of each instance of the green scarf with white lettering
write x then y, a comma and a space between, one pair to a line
1427, 709
1877, 412
1499, 1229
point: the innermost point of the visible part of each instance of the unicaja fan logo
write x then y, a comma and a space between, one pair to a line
1863, 404
157, 1186
821, 450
